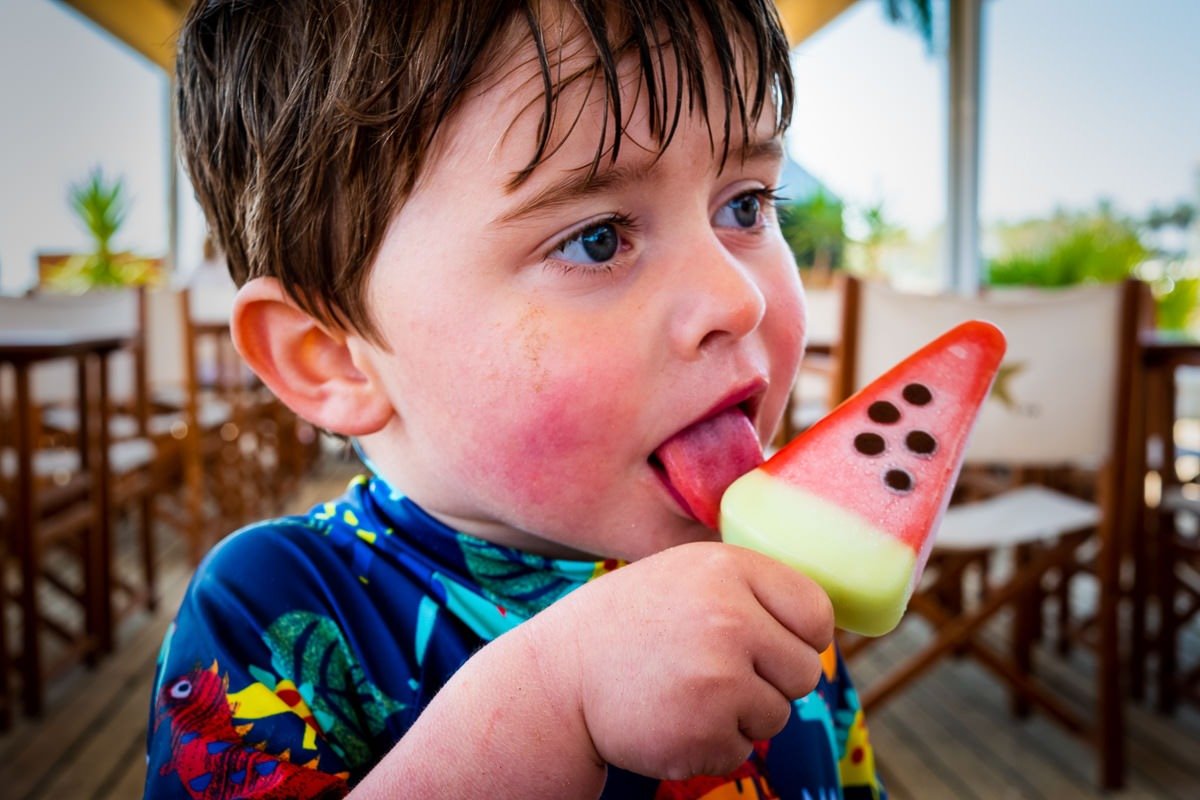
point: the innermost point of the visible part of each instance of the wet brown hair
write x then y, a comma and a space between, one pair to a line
304, 124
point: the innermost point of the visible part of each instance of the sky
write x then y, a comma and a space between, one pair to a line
1082, 100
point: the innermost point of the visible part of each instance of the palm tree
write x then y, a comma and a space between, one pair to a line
917, 14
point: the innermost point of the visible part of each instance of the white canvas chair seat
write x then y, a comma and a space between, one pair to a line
131, 454
125, 456
1058, 406
211, 411
120, 426
1020, 516
47, 463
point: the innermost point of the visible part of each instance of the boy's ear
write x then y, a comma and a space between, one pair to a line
308, 367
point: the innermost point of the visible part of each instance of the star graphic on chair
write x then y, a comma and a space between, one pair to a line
1001, 390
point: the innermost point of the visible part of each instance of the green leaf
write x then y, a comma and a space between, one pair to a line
309, 649
1067, 249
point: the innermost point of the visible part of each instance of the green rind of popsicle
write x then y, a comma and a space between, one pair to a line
866, 571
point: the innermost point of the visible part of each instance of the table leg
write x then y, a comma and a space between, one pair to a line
1139, 530
86, 446
103, 486
24, 540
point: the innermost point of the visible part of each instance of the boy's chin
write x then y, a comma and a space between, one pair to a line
686, 530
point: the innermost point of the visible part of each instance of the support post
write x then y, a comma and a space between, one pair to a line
963, 265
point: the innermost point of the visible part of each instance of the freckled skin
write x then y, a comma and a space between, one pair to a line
534, 339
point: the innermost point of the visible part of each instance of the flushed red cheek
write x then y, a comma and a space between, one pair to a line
558, 450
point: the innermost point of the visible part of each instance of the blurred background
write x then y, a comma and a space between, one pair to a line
1088, 141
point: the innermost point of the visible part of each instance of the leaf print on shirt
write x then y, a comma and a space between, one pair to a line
309, 649
518, 582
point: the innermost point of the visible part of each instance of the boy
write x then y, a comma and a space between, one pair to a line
524, 254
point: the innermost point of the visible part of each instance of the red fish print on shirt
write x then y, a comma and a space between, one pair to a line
213, 760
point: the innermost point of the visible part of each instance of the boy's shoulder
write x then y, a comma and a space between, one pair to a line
271, 552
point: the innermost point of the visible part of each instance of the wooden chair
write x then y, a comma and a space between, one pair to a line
1167, 574
242, 449
812, 391
71, 553
143, 444
276, 447
204, 431
1057, 411
5, 667
1177, 579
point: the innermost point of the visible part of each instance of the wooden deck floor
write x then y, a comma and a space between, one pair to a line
948, 736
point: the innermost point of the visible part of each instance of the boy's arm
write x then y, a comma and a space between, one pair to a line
499, 728
669, 668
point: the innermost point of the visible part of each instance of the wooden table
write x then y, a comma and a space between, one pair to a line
21, 349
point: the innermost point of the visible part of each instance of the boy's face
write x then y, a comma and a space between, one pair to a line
546, 341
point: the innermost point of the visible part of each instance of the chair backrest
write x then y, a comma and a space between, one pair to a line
187, 327
189, 349
211, 300
166, 339
1063, 392
823, 319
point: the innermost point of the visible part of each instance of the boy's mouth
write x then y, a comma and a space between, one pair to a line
698, 463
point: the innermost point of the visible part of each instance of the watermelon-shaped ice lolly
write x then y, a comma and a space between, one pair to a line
854, 501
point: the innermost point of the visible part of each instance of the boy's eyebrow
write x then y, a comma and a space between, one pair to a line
584, 183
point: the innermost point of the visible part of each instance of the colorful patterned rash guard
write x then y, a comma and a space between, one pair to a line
306, 646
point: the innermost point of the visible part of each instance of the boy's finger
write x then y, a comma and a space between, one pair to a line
788, 663
765, 711
795, 600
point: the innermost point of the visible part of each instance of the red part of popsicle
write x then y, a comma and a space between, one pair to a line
892, 452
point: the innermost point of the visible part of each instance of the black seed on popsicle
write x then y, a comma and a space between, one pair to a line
869, 444
917, 393
898, 480
920, 442
883, 412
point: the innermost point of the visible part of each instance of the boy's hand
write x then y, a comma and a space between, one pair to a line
678, 661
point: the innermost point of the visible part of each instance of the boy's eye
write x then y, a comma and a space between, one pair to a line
596, 244
743, 211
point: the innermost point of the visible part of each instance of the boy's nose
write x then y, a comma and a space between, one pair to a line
721, 300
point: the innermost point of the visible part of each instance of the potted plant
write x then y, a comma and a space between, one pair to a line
101, 207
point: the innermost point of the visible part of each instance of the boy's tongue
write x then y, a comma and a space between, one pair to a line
702, 460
